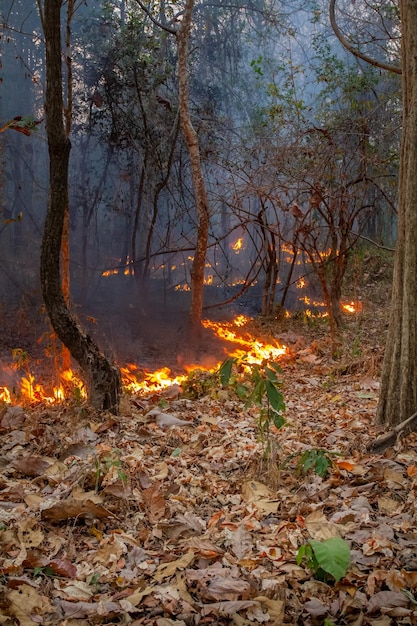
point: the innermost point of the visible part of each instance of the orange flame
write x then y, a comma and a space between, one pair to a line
137, 380
237, 246
352, 307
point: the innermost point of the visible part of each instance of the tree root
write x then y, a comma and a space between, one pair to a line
389, 439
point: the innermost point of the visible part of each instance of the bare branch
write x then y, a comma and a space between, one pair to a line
357, 53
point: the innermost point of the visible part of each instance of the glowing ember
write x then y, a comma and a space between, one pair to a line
110, 272
183, 287
311, 302
301, 283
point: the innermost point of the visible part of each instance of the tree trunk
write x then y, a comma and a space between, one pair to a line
103, 379
200, 192
398, 398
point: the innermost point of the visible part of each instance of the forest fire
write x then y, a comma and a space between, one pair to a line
251, 350
135, 379
243, 345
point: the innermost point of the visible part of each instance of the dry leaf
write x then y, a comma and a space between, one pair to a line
26, 603
154, 502
72, 508
168, 569
241, 542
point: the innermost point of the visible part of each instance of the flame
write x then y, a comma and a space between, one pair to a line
110, 272
34, 392
5, 395
253, 351
237, 246
136, 381
352, 307
301, 283
209, 280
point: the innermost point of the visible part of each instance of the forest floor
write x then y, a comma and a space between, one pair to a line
176, 512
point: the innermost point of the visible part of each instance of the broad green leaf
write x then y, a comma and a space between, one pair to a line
274, 396
226, 371
333, 556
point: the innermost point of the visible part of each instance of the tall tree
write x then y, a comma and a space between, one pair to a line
200, 191
103, 378
398, 398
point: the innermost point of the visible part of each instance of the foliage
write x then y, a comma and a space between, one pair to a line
22, 124
324, 558
316, 459
109, 464
261, 386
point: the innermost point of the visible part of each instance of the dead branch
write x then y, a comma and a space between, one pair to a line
390, 438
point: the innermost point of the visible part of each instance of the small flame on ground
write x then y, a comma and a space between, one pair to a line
352, 307
151, 381
237, 246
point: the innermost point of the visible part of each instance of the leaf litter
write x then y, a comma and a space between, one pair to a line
177, 513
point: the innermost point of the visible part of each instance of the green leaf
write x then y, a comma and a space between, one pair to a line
226, 371
322, 464
278, 419
241, 391
333, 556
274, 396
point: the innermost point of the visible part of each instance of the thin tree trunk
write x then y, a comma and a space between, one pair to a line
200, 192
103, 379
398, 398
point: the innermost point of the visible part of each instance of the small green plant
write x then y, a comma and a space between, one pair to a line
93, 580
317, 460
328, 558
105, 465
261, 387
43, 571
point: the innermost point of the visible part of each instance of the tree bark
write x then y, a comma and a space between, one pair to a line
200, 191
103, 378
398, 398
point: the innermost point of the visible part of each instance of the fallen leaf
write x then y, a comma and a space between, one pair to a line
168, 569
